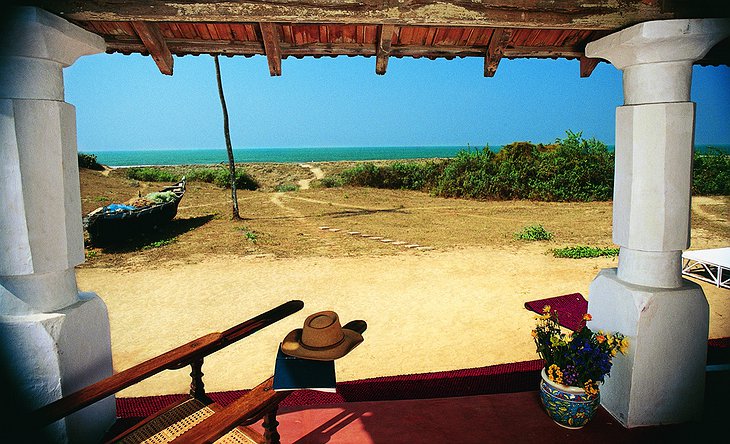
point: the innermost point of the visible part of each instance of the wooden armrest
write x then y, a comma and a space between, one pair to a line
250, 406
173, 359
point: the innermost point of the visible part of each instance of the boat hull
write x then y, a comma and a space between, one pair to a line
114, 227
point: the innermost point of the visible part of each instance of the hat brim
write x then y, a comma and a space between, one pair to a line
292, 346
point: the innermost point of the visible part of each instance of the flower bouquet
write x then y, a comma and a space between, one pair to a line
575, 364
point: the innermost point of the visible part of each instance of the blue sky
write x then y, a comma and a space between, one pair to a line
123, 102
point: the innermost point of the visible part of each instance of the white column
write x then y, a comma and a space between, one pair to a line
53, 339
661, 380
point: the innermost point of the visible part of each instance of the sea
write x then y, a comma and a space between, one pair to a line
159, 157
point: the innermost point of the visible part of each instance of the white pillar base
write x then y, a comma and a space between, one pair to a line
661, 379
47, 356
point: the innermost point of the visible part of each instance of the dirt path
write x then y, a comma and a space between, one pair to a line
318, 174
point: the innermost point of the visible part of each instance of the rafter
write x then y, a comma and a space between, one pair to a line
272, 46
383, 50
587, 65
191, 46
495, 50
542, 51
155, 43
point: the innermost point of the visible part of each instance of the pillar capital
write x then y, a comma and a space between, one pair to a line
685, 40
36, 33
657, 57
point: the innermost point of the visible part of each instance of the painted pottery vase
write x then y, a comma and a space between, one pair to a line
570, 407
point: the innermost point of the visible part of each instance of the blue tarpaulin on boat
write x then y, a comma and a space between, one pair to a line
116, 207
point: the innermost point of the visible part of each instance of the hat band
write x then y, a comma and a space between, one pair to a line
326, 347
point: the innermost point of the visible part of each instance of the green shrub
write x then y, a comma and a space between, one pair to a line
573, 169
88, 161
243, 180
583, 251
152, 174
711, 173
202, 174
534, 233
399, 175
330, 181
217, 176
286, 187
469, 174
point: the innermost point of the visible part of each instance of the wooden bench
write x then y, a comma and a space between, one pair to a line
196, 419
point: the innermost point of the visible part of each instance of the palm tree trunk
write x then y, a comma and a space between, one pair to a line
229, 147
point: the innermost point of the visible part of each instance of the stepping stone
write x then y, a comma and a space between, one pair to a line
412, 246
324, 228
387, 241
334, 230
398, 243
424, 248
365, 235
376, 237
353, 233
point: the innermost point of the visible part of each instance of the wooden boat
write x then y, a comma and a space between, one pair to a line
117, 222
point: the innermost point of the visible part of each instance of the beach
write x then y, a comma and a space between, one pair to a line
446, 292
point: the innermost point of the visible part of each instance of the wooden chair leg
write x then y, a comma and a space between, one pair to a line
271, 435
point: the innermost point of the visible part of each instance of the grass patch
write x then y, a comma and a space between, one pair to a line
584, 251
160, 243
533, 233
249, 234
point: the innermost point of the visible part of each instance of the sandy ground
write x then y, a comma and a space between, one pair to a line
459, 305
429, 311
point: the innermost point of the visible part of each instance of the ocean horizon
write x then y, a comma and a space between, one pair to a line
192, 156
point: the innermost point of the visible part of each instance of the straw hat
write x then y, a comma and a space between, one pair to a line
321, 339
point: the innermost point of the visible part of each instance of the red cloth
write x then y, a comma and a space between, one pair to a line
570, 309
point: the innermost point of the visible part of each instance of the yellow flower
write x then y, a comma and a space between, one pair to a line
600, 339
624, 345
590, 387
546, 309
587, 317
554, 374
534, 333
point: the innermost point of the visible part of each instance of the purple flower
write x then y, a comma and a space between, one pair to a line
570, 375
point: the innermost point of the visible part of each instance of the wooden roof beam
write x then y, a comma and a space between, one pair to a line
495, 50
565, 14
587, 65
155, 43
272, 47
383, 50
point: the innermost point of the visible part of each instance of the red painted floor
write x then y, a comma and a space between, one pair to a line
501, 418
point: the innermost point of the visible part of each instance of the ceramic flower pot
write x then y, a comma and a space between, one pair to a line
570, 407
